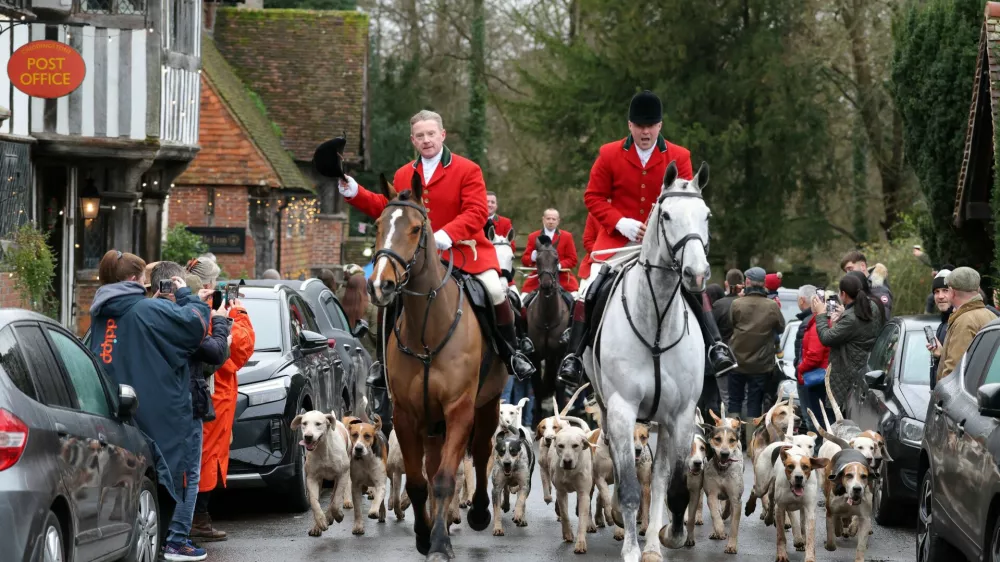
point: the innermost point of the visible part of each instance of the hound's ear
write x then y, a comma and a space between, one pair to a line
539, 431
417, 187
811, 434
296, 423
819, 462
708, 429
387, 189
701, 180
378, 422
332, 420
671, 175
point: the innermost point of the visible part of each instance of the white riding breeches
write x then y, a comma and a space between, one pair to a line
496, 288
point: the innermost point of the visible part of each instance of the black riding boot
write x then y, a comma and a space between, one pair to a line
571, 368
719, 355
378, 387
521, 322
517, 364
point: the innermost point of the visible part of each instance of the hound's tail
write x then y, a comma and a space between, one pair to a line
572, 400
825, 434
826, 420
837, 414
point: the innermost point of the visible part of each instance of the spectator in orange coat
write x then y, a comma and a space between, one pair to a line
218, 434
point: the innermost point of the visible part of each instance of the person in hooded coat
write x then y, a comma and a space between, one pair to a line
146, 343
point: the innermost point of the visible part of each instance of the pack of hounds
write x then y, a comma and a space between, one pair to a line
790, 476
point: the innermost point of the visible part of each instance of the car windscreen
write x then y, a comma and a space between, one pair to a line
265, 316
916, 359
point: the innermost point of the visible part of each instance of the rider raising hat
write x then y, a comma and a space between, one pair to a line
625, 182
454, 195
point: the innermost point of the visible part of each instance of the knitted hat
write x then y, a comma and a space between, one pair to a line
645, 109
940, 280
964, 279
772, 281
206, 270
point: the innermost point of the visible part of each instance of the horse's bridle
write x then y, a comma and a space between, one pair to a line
398, 262
675, 251
554, 276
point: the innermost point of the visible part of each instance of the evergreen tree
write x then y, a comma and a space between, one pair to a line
475, 139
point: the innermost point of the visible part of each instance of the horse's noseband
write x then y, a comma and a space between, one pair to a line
678, 248
397, 261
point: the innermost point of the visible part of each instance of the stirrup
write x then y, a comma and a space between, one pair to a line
564, 337
527, 347
520, 366
721, 358
376, 376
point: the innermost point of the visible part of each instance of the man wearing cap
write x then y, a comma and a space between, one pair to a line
755, 319
970, 316
625, 182
941, 295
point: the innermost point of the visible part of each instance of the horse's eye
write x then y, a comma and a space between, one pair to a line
415, 230
666, 216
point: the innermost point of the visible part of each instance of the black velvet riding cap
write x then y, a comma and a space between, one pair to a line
329, 158
645, 109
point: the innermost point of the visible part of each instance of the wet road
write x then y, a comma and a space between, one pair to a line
258, 533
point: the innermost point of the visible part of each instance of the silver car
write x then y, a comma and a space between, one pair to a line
77, 478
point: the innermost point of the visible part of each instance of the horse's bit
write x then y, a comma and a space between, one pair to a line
397, 261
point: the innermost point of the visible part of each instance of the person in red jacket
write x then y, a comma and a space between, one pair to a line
217, 434
815, 355
454, 195
589, 238
563, 243
625, 183
501, 225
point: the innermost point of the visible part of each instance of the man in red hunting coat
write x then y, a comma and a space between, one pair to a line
562, 241
501, 225
625, 182
454, 195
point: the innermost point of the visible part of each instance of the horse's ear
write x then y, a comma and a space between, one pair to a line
670, 175
387, 189
510, 235
416, 186
701, 180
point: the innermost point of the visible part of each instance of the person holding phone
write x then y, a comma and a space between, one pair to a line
942, 303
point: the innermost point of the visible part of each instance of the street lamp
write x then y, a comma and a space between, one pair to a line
90, 200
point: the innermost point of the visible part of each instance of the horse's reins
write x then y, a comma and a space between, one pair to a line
548, 295
397, 261
675, 267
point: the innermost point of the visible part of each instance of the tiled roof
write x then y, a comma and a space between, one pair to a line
247, 152
988, 61
308, 68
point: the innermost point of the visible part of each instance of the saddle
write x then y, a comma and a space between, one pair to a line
567, 297
482, 307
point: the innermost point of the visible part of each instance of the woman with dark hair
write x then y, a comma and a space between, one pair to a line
357, 306
849, 330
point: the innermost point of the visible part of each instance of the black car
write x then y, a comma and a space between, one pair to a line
892, 400
959, 470
352, 357
290, 372
77, 478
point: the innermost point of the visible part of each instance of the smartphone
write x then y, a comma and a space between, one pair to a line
831, 304
216, 300
166, 286
232, 292
929, 334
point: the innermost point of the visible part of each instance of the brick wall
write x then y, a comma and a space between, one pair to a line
230, 209
9, 296
86, 286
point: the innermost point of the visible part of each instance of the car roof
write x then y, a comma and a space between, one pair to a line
264, 292
917, 321
8, 315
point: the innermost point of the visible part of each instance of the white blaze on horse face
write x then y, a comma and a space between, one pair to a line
377, 282
688, 215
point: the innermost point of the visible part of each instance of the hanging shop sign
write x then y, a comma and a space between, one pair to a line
46, 69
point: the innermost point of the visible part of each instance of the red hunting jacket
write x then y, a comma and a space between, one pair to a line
455, 200
503, 226
620, 187
589, 238
563, 241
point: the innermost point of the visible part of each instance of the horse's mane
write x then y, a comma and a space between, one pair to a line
404, 195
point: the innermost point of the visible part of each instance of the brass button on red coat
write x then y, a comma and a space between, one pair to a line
644, 172
609, 199
643, 186
642, 211
642, 199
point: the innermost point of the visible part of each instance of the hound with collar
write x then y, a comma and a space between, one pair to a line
795, 492
368, 468
513, 467
848, 495
696, 461
327, 446
723, 481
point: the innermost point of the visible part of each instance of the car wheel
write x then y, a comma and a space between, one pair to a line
884, 513
53, 549
146, 534
930, 546
294, 494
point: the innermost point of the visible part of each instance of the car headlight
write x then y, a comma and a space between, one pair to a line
911, 431
267, 391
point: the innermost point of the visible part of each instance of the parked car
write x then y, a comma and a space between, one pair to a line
892, 399
959, 513
77, 478
789, 300
290, 372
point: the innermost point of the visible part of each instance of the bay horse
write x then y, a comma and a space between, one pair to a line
548, 317
647, 362
433, 357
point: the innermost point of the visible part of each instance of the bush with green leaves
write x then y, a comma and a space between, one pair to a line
182, 245
909, 278
29, 259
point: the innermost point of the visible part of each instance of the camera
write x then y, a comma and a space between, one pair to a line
166, 287
831, 304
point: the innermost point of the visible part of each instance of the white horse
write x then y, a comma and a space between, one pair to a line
505, 255
647, 331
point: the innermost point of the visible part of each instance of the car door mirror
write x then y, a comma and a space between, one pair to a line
989, 400
128, 402
361, 328
311, 342
876, 380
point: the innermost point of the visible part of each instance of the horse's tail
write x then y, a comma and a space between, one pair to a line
837, 414
569, 404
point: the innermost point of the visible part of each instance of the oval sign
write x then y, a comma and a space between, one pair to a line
46, 69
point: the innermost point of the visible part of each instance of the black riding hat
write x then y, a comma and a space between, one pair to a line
645, 109
329, 158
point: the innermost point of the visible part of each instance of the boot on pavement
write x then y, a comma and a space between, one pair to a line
202, 531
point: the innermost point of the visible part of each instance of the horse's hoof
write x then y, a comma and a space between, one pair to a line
438, 557
424, 544
670, 540
651, 557
479, 519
